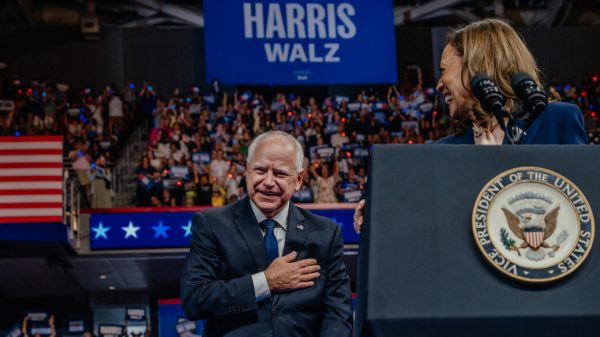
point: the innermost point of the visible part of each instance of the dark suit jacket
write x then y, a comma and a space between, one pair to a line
227, 248
561, 123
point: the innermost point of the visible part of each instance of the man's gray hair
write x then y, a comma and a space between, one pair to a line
274, 134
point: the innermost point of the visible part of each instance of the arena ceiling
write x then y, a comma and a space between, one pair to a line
16, 14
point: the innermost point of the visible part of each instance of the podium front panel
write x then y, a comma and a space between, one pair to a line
420, 271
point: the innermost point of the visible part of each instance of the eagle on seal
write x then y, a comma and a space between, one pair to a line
533, 226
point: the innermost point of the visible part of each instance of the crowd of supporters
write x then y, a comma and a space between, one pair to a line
198, 141
586, 94
93, 123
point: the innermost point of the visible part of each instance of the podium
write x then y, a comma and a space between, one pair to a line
421, 271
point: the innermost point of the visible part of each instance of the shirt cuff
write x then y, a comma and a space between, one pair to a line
261, 287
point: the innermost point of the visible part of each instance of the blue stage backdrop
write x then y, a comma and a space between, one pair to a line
300, 42
135, 228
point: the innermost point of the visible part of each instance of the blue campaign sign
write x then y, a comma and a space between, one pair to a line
135, 230
300, 42
171, 317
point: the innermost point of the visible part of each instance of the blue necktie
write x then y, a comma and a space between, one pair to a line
270, 239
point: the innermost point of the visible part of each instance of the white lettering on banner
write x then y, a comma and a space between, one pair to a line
333, 48
348, 29
281, 53
295, 15
275, 23
253, 20
315, 13
299, 21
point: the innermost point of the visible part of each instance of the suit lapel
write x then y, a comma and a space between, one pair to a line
532, 131
245, 221
296, 231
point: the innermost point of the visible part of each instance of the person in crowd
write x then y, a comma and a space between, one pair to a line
115, 107
325, 182
155, 201
250, 259
146, 332
219, 195
218, 168
148, 101
101, 178
339, 138
24, 328
167, 199
204, 191
144, 181
232, 182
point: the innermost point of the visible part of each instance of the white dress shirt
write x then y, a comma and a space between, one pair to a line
259, 280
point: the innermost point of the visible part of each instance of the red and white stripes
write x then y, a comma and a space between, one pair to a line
31, 187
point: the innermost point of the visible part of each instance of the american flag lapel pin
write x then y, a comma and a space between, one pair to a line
300, 227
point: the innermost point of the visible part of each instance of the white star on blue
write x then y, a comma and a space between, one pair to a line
131, 230
100, 231
187, 229
161, 230
341, 224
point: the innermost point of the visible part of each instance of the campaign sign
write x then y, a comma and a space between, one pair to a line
111, 330
136, 314
323, 152
7, 105
179, 171
76, 326
201, 158
300, 41
38, 316
185, 326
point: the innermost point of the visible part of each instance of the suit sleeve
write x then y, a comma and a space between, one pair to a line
573, 128
337, 313
203, 293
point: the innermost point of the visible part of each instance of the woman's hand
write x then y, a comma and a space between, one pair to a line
358, 215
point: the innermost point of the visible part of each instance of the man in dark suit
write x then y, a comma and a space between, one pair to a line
262, 266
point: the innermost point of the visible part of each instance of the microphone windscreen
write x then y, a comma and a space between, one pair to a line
516, 80
475, 80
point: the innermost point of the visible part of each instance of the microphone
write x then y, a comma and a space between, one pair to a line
534, 98
489, 95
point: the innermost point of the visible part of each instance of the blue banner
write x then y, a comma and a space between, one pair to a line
137, 230
300, 42
172, 321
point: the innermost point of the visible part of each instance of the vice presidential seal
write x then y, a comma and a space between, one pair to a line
533, 224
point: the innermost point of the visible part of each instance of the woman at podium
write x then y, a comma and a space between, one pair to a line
491, 47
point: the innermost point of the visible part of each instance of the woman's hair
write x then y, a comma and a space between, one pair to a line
494, 48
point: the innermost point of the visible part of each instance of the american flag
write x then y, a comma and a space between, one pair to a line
31, 187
